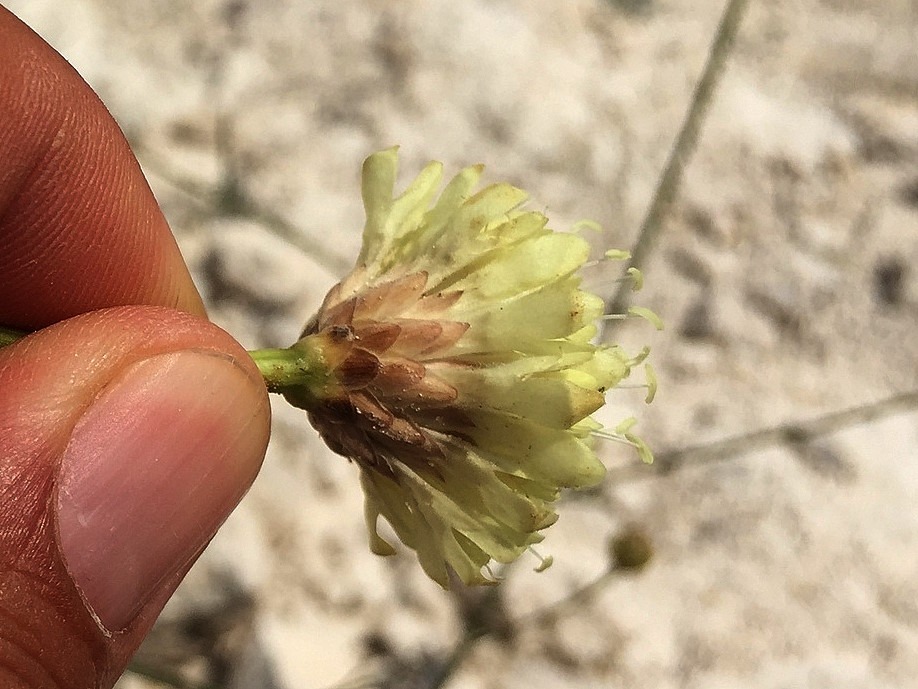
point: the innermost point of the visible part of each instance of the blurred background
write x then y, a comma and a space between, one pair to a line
787, 557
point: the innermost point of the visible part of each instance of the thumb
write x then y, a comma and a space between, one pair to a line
126, 438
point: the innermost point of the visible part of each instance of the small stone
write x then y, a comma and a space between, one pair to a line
779, 307
631, 549
691, 266
697, 322
889, 281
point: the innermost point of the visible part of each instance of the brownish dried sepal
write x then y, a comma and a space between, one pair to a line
381, 400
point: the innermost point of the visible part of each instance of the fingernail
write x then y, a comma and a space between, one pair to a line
152, 469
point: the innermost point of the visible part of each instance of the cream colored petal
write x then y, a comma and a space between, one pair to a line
475, 558
546, 399
494, 202
429, 521
399, 505
474, 501
464, 234
522, 267
449, 263
524, 448
379, 173
516, 225
454, 195
406, 215
528, 486
508, 324
442, 515
378, 545
468, 480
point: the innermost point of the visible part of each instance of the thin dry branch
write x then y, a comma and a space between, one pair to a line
792, 433
684, 145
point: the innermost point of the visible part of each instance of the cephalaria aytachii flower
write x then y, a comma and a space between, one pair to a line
460, 369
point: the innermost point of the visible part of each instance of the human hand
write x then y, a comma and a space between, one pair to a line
129, 426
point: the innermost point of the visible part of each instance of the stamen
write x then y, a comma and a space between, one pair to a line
648, 315
621, 434
610, 255
651, 378
635, 312
637, 278
544, 562
651, 390
639, 357
643, 450
606, 434
626, 425
590, 225
634, 275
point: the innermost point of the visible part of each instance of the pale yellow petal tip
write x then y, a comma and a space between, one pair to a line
382, 163
378, 545
390, 152
647, 315
381, 547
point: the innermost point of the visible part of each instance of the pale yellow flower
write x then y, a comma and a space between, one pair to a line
461, 372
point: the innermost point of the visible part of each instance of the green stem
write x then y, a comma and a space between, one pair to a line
299, 370
8, 336
298, 367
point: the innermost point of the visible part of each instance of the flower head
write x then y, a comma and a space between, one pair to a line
461, 372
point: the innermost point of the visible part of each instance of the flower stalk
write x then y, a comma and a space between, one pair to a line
8, 336
300, 367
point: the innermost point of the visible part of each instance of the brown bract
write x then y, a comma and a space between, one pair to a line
381, 401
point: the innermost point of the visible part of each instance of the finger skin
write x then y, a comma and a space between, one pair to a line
79, 227
48, 637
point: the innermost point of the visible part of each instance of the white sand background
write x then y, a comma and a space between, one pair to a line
773, 569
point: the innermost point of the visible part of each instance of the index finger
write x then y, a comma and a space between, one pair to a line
79, 226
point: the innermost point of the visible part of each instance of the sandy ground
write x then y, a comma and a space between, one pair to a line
785, 277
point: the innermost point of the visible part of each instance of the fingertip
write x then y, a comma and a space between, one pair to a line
80, 228
152, 468
132, 433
